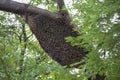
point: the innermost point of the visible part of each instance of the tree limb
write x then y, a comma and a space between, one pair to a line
60, 4
22, 8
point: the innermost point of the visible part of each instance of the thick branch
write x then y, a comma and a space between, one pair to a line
60, 4
21, 8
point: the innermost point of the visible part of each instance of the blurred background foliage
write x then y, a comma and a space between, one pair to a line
98, 26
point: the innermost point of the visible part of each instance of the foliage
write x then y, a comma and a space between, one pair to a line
21, 58
98, 24
99, 33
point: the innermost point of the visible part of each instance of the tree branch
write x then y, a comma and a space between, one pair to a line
60, 4
22, 8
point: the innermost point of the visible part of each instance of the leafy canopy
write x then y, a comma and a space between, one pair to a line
99, 33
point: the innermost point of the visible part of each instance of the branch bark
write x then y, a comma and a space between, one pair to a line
22, 9
60, 4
